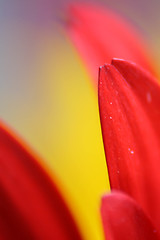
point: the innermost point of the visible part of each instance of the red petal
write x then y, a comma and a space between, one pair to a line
123, 219
129, 100
100, 35
31, 207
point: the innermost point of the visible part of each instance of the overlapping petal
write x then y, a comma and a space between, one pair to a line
124, 219
129, 99
31, 206
100, 35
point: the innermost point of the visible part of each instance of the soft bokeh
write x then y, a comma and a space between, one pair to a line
47, 97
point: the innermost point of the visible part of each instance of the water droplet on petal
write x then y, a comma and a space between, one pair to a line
131, 151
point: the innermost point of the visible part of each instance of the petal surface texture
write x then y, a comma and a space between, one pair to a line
124, 219
129, 99
100, 35
31, 206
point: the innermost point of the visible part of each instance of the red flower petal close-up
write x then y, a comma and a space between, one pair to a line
112, 37
67, 193
129, 100
124, 219
31, 206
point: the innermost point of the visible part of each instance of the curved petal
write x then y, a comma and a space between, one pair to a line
124, 219
30, 204
100, 35
129, 100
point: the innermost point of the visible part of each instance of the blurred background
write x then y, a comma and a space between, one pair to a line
48, 98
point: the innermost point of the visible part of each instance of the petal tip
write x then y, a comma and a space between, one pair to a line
124, 219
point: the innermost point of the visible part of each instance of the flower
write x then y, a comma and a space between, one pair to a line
129, 100
124, 219
95, 48
112, 37
31, 205
76, 135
